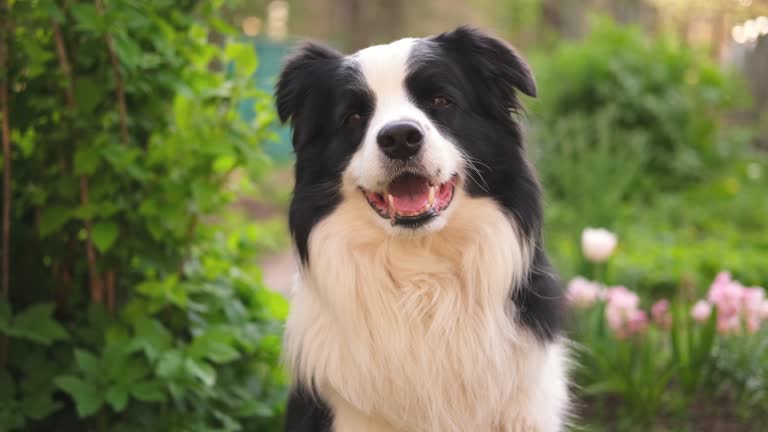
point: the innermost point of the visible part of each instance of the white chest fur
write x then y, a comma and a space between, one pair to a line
415, 334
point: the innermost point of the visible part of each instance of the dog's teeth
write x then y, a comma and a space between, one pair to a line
392, 211
431, 199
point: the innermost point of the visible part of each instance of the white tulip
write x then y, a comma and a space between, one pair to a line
598, 244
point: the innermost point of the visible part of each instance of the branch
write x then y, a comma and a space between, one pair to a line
122, 112
66, 68
90, 251
109, 288
119, 83
5, 108
5, 135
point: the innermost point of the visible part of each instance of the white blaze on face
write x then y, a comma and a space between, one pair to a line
384, 69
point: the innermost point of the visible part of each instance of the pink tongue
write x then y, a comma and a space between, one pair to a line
410, 193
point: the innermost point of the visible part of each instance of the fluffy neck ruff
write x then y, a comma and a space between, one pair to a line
417, 331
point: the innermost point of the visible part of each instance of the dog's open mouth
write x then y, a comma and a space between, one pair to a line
411, 199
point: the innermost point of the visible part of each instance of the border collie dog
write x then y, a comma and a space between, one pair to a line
424, 302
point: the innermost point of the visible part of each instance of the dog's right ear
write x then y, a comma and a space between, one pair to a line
299, 74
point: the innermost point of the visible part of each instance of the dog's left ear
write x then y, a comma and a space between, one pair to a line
494, 61
300, 75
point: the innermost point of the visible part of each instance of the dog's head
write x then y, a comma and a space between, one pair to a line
409, 128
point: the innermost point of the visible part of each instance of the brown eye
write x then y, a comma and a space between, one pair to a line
354, 120
440, 102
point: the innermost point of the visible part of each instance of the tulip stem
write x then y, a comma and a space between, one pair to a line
598, 272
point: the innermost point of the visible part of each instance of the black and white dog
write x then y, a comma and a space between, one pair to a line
425, 302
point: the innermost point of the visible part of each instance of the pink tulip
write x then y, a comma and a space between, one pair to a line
701, 311
729, 325
620, 296
764, 310
736, 305
753, 297
583, 293
661, 315
752, 303
616, 318
753, 324
623, 314
726, 294
752, 300
638, 321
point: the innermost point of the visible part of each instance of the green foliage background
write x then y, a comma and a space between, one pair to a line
632, 133
134, 302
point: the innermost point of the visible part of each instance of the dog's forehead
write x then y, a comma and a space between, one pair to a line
384, 67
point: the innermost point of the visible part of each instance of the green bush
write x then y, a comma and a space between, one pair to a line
660, 99
133, 303
629, 134
685, 237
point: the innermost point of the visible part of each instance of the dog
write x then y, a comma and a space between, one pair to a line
424, 300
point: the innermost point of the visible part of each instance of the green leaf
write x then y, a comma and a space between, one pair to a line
87, 362
132, 370
87, 17
117, 397
86, 160
169, 364
151, 336
89, 92
215, 346
255, 407
224, 163
129, 52
244, 57
202, 371
274, 303
221, 353
612, 385
25, 141
36, 324
104, 235
229, 423
182, 111
50, 8
87, 397
52, 218
148, 391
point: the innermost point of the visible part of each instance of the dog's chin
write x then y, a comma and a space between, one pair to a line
412, 203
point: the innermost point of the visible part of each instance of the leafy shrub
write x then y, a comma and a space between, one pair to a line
682, 238
652, 93
133, 304
687, 236
583, 167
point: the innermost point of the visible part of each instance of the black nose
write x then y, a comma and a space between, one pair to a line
400, 140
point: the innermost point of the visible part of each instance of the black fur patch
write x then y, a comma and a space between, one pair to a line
306, 412
317, 91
